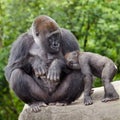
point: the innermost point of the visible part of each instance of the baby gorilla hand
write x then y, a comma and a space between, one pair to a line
54, 71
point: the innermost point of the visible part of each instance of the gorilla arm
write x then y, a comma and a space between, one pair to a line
47, 64
55, 69
19, 54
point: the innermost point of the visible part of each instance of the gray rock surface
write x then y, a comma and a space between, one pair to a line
78, 111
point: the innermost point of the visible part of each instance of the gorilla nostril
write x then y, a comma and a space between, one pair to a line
55, 44
70, 62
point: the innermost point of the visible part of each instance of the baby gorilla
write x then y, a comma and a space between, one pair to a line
97, 65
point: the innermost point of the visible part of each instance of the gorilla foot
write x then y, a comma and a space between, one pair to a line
59, 104
91, 92
110, 97
88, 100
107, 99
36, 107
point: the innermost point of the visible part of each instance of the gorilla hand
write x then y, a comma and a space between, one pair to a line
40, 70
54, 71
39, 67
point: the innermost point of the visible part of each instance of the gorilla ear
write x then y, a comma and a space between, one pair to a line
78, 52
37, 33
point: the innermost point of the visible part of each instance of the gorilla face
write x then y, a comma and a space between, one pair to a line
54, 41
72, 60
46, 34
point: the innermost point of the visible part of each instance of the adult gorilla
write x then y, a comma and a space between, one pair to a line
36, 69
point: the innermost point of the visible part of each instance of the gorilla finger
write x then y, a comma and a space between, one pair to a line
48, 75
36, 73
44, 70
55, 76
40, 71
36, 109
58, 76
52, 75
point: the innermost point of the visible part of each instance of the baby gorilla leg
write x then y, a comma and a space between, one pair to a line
108, 73
88, 80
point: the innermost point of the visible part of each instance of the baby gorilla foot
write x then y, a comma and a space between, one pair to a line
88, 100
107, 99
110, 97
36, 107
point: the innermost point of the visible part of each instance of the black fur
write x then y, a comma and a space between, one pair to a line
30, 89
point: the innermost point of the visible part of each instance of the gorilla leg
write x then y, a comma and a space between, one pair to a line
70, 88
88, 80
108, 73
27, 89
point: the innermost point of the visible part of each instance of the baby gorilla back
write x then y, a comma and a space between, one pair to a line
94, 64
99, 64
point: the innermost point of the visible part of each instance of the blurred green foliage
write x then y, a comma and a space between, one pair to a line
95, 23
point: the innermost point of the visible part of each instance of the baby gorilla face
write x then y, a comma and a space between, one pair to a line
72, 60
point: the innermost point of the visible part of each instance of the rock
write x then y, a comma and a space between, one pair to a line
78, 111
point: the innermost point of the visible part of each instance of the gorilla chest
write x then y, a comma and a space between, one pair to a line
49, 59
40, 56
44, 56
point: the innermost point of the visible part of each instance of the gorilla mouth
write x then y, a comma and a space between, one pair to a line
55, 47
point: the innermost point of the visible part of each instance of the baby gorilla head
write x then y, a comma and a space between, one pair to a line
72, 60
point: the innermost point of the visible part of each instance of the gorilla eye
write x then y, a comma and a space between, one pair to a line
51, 39
37, 34
75, 54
